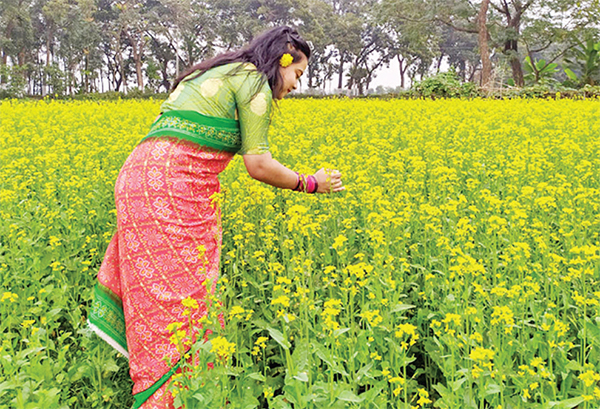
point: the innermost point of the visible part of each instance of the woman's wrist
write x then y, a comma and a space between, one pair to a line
311, 184
306, 183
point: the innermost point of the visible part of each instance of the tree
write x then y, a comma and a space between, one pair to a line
585, 60
111, 43
550, 33
161, 54
316, 22
517, 22
414, 40
346, 32
374, 52
16, 34
133, 23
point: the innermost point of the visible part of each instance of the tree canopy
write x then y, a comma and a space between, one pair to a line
82, 46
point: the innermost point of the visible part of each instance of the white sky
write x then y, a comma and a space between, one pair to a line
384, 76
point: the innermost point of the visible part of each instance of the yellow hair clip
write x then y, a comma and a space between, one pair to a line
286, 60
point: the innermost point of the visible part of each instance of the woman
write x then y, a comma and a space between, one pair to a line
168, 228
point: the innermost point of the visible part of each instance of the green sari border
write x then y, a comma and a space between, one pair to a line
224, 124
222, 134
110, 294
143, 396
107, 315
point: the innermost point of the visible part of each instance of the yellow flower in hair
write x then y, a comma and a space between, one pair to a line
286, 60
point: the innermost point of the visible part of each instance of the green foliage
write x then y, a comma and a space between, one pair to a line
539, 71
55, 78
103, 39
16, 81
444, 85
585, 60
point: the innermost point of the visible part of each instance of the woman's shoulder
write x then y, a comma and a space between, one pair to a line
234, 68
244, 75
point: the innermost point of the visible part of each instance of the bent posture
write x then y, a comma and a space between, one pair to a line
168, 239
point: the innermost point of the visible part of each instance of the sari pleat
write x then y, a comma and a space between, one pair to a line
166, 249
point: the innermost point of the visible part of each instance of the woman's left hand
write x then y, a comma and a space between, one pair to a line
329, 180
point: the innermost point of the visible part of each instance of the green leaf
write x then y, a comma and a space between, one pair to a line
322, 353
564, 404
110, 366
592, 331
200, 398
364, 371
280, 403
371, 394
279, 338
551, 68
528, 67
6, 385
574, 366
457, 384
571, 74
401, 307
302, 377
492, 389
257, 376
540, 64
301, 355
250, 402
349, 396
442, 390
340, 331
405, 360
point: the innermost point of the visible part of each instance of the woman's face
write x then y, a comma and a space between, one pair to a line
290, 76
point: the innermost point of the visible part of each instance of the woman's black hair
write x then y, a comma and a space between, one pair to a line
264, 52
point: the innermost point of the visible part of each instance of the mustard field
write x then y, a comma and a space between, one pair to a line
460, 268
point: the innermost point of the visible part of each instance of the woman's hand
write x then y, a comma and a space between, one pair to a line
329, 180
267, 170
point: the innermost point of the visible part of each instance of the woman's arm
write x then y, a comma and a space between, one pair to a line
267, 170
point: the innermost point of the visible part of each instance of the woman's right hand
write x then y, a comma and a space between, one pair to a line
329, 180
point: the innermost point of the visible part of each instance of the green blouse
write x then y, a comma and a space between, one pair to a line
239, 96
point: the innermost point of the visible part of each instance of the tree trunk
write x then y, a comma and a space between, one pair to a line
439, 63
486, 64
85, 77
341, 71
472, 70
3, 62
122, 80
400, 62
22, 60
7, 34
165, 81
137, 58
511, 46
511, 49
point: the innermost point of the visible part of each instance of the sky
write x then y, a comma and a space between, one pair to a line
385, 76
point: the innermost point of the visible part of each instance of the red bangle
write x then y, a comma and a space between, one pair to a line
299, 184
311, 184
306, 184
300, 187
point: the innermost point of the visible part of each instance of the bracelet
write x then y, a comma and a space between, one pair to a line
312, 185
298, 185
306, 184
301, 183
